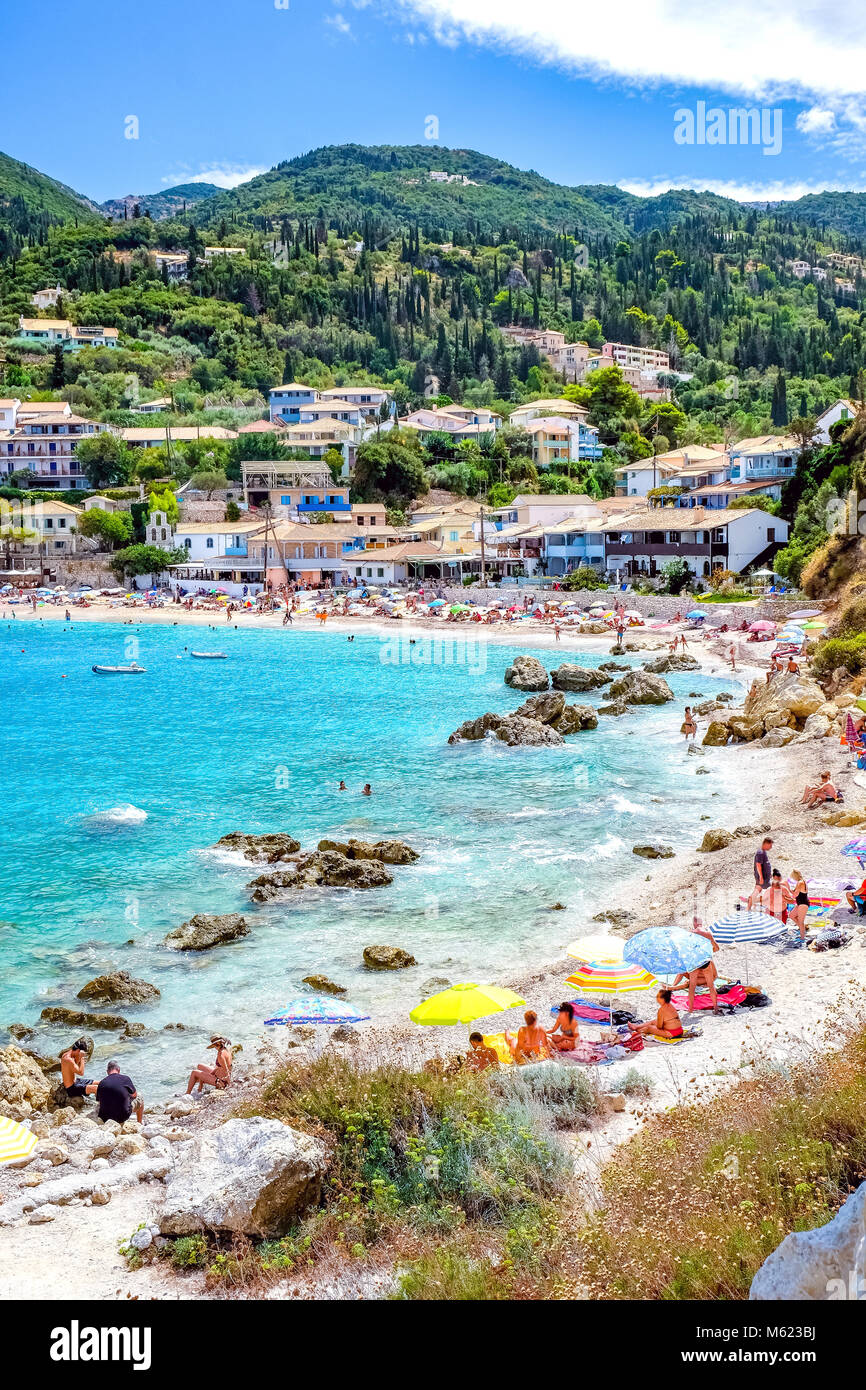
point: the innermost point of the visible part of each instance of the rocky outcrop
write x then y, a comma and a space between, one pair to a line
322, 985
261, 849
778, 738
827, 1263
653, 851
817, 726
205, 930
616, 708
545, 707
663, 664
387, 958
474, 729
79, 1018
386, 851
322, 869
845, 818
795, 693
528, 733
787, 707
641, 688
254, 1177
526, 673
613, 666
22, 1083
715, 839
571, 677
575, 719
743, 729
717, 734
119, 987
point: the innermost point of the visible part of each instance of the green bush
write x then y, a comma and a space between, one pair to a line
189, 1252
566, 1096
584, 577
446, 1276
841, 651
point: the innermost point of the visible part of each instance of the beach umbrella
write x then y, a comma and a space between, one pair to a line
607, 949
667, 950
16, 1142
815, 625
806, 613
696, 615
608, 978
747, 926
763, 625
437, 603
463, 1004
855, 849
316, 1008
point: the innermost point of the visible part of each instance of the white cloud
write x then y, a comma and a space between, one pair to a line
780, 48
223, 175
816, 121
340, 24
772, 192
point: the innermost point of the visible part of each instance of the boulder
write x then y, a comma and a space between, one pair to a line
517, 732
256, 1177
641, 688
817, 726
527, 673
592, 628
387, 958
663, 664
205, 930
545, 707
79, 1018
571, 677
797, 694
574, 719
620, 919
612, 666
717, 734
474, 729
322, 985
778, 738
827, 1263
119, 987
744, 730
386, 851
845, 818
715, 839
618, 707
779, 719
22, 1082
322, 869
653, 851
260, 849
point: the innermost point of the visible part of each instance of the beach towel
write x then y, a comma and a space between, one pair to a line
588, 1012
735, 995
500, 1047
672, 1042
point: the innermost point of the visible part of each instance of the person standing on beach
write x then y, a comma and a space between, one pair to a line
762, 871
732, 657
689, 728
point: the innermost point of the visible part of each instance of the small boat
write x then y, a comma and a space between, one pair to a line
210, 656
133, 670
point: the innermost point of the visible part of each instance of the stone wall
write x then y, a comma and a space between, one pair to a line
83, 569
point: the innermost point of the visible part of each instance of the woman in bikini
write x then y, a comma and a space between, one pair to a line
219, 1075
689, 728
531, 1044
797, 896
667, 1022
564, 1035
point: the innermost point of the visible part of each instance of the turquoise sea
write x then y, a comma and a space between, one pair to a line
259, 742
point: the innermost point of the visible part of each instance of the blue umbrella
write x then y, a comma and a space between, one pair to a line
696, 614
315, 1008
667, 950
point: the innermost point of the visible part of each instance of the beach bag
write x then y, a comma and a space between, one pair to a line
755, 1000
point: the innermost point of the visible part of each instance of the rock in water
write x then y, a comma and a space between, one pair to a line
544, 707
204, 930
386, 851
717, 734
256, 1177
387, 958
715, 839
322, 985
516, 732
322, 869
663, 664
641, 688
119, 987
653, 851
575, 719
261, 849
827, 1263
571, 677
526, 673
474, 729
22, 1082
79, 1018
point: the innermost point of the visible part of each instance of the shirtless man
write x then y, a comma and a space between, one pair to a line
367, 790
75, 1083
531, 1043
479, 1057
825, 791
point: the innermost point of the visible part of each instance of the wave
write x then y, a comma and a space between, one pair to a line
116, 817
624, 806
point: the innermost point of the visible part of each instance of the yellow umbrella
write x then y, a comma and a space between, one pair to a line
16, 1142
463, 1004
605, 949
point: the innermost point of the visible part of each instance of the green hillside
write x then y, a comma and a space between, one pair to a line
169, 202
37, 193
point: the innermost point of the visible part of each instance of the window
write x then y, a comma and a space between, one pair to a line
49, 523
61, 522
657, 537
674, 537
209, 543
453, 535
187, 543
360, 520
771, 534
285, 501
380, 572
719, 535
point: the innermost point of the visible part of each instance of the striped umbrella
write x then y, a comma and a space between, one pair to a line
855, 849
16, 1142
600, 977
747, 926
604, 949
315, 1008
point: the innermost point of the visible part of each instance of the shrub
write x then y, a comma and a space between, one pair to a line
447, 1276
584, 577
849, 652
189, 1252
567, 1096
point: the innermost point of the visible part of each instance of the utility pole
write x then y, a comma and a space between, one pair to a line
483, 570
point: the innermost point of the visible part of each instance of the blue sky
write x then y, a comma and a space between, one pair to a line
584, 93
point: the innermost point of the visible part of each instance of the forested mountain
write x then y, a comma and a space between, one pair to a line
30, 202
169, 202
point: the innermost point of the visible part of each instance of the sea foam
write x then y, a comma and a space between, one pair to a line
116, 817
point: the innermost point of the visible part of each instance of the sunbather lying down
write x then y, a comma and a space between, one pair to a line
667, 1023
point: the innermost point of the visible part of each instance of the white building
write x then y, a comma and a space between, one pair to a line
839, 410
47, 298
174, 263
643, 542
42, 441
766, 456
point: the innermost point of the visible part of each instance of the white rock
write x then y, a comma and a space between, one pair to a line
140, 1240
255, 1176
130, 1126
159, 1145
128, 1145
152, 1131
52, 1152
98, 1165
104, 1145
821, 1264
42, 1214
111, 1126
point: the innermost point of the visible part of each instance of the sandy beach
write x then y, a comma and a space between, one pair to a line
806, 989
